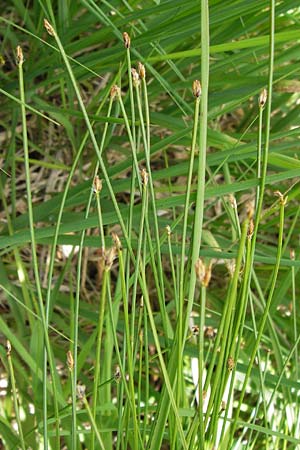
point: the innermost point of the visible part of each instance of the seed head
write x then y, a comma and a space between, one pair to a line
142, 70
126, 39
117, 374
20, 57
250, 229
115, 91
109, 258
97, 185
145, 177
292, 254
262, 98
210, 332
195, 330
135, 77
203, 272
49, 27
70, 360
230, 265
8, 348
232, 201
81, 391
117, 241
196, 88
230, 363
282, 198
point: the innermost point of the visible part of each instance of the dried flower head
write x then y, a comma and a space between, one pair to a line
200, 270
168, 230
135, 77
282, 198
70, 360
116, 240
210, 332
109, 258
196, 88
20, 57
203, 272
142, 70
230, 265
250, 229
145, 177
117, 374
115, 91
97, 185
262, 98
292, 254
8, 348
230, 363
49, 27
81, 391
126, 39
195, 330
232, 201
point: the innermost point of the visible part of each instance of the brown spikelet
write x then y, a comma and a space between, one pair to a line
142, 70
97, 185
250, 229
117, 241
49, 27
135, 77
230, 363
20, 57
144, 177
126, 39
115, 91
196, 88
70, 360
8, 348
262, 98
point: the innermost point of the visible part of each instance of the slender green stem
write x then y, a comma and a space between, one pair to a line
259, 203
129, 350
265, 314
202, 301
180, 316
141, 238
15, 396
94, 425
223, 355
47, 351
79, 263
98, 350
160, 282
199, 208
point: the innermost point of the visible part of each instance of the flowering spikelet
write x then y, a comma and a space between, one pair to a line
196, 88
262, 98
49, 27
20, 57
142, 70
126, 39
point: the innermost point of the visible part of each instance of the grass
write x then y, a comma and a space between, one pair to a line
149, 225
